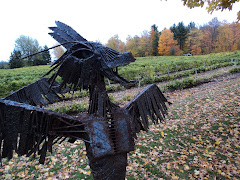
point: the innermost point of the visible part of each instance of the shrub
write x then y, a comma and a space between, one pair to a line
71, 108
186, 83
234, 70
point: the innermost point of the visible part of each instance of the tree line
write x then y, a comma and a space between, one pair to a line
212, 37
215, 36
25, 46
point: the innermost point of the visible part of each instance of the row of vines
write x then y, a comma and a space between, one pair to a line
148, 69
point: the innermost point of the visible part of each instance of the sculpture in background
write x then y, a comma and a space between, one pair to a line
107, 129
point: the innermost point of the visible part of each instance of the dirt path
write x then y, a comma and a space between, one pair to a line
118, 95
223, 72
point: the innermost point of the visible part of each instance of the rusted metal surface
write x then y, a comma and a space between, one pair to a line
107, 130
29, 129
37, 93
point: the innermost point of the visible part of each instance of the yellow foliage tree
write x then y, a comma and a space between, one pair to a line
212, 5
166, 44
194, 41
58, 51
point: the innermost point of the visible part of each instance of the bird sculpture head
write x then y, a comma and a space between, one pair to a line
83, 59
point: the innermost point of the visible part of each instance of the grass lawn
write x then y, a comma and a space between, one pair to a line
199, 140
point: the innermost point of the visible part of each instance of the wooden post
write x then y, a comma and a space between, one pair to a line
235, 62
231, 60
109, 83
204, 63
176, 65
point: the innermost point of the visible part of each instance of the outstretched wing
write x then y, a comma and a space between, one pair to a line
37, 93
28, 129
149, 104
64, 34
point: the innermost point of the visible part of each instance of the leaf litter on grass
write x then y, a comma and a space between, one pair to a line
199, 140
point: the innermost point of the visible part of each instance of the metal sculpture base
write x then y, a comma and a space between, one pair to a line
110, 167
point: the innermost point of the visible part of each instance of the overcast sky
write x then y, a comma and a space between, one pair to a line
95, 20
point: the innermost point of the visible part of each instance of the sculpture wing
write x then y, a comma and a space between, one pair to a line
64, 33
37, 93
28, 129
149, 104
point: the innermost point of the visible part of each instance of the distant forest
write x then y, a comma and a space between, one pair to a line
213, 37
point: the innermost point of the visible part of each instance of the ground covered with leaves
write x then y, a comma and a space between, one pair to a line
199, 140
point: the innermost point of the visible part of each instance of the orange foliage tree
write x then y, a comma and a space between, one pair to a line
224, 40
166, 44
235, 27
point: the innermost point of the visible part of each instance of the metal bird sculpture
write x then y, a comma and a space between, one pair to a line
107, 130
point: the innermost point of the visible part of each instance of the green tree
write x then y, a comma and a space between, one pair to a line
1, 65
154, 37
180, 34
27, 46
46, 57
191, 25
15, 60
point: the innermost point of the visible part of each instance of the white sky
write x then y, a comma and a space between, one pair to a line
95, 20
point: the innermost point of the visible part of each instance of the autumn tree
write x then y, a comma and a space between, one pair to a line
116, 44
224, 41
145, 44
212, 5
235, 28
194, 41
206, 44
132, 45
154, 37
167, 45
58, 51
214, 24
